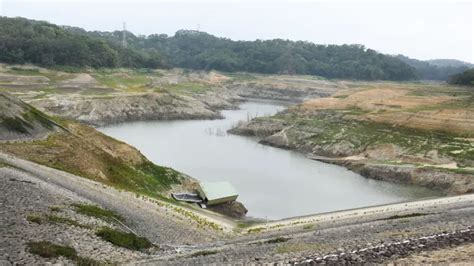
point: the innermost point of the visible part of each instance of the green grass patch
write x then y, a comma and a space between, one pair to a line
122, 80
308, 227
24, 71
67, 221
136, 89
255, 230
34, 115
331, 127
82, 261
145, 179
47, 249
25, 123
34, 218
165, 176
96, 212
121, 239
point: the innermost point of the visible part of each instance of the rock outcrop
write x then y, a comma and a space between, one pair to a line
374, 150
101, 111
232, 209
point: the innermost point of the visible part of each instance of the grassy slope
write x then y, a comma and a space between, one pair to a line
326, 125
86, 152
109, 81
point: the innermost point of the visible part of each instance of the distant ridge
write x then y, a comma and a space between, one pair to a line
436, 69
46, 44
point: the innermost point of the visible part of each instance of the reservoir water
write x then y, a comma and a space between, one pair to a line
272, 183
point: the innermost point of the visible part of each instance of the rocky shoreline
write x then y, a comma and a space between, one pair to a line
106, 110
188, 236
384, 162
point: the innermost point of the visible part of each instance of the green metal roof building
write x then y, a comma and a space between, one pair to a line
217, 192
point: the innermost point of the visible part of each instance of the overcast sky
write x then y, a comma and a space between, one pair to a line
419, 29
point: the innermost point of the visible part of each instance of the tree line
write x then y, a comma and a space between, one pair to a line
440, 69
200, 50
37, 42
465, 78
42, 43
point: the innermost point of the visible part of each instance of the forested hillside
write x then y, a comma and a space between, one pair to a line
42, 43
465, 78
437, 69
45, 44
200, 50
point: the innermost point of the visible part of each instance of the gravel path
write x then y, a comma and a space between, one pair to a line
316, 245
183, 241
157, 222
22, 196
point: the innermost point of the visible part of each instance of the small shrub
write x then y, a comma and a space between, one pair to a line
81, 261
255, 230
63, 220
55, 208
121, 239
204, 253
47, 249
97, 212
308, 227
33, 218
277, 240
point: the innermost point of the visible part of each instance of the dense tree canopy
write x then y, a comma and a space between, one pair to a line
42, 43
465, 78
438, 69
199, 50
45, 44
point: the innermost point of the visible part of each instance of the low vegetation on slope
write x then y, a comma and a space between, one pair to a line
402, 132
83, 151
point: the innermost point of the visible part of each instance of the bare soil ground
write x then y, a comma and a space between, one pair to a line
441, 108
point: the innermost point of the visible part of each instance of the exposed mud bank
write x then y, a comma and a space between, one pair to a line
290, 88
389, 161
107, 110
